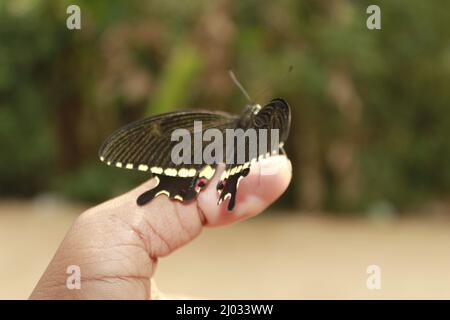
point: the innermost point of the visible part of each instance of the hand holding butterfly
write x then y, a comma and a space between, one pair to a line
117, 244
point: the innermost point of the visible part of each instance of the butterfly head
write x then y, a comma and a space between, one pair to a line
254, 108
250, 110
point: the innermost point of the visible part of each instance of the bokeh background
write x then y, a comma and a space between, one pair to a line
369, 142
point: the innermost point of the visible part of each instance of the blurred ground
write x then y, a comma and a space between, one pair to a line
277, 256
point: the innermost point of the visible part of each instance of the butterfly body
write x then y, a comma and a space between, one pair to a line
148, 145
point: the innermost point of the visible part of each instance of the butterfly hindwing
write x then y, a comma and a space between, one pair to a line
183, 189
146, 145
229, 183
275, 115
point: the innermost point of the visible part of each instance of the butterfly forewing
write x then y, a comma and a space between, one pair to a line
147, 143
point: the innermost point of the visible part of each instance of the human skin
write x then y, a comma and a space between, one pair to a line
117, 243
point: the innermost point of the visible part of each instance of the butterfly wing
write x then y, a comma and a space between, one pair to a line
276, 115
147, 145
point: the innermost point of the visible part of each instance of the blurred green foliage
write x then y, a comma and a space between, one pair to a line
371, 120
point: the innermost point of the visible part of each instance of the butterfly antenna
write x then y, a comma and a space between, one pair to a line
291, 67
239, 85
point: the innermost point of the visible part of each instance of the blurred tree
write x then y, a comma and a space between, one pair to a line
370, 108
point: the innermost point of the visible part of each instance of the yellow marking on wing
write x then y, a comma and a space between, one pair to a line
143, 167
239, 181
183, 172
207, 172
225, 174
163, 192
156, 170
170, 172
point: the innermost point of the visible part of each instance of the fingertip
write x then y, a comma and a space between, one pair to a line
267, 181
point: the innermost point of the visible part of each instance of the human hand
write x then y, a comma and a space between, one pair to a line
117, 243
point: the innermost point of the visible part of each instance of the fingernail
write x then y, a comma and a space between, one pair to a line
272, 165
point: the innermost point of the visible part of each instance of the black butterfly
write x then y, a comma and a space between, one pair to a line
146, 145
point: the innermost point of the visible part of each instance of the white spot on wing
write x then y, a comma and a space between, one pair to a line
143, 167
156, 170
207, 172
170, 172
183, 172
239, 180
163, 192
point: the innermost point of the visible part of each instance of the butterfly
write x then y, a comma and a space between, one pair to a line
147, 145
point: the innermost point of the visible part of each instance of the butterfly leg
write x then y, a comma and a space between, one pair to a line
229, 183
